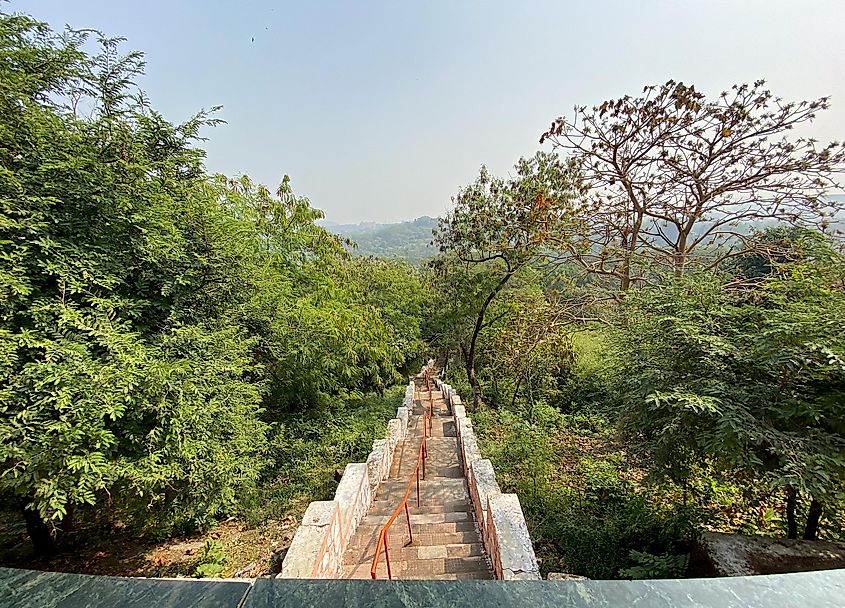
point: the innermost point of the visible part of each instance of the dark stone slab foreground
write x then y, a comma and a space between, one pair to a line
802, 590
35, 589
31, 589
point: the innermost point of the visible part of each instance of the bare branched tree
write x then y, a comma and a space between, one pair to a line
676, 180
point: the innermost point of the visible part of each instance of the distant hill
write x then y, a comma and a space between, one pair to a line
409, 241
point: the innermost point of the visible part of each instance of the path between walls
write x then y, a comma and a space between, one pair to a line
464, 527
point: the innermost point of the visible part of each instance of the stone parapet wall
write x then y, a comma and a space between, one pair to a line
320, 541
500, 517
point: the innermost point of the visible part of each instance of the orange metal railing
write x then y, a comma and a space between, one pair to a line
382, 541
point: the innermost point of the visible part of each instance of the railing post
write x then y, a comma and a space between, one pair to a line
408, 517
425, 456
418, 486
387, 557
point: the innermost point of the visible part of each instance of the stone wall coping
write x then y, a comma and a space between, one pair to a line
500, 517
516, 553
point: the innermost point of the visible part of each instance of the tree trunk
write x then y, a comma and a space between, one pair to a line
529, 395
476, 386
39, 532
811, 531
680, 255
516, 391
791, 522
630, 239
469, 354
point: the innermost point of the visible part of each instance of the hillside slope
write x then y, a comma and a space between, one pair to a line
409, 241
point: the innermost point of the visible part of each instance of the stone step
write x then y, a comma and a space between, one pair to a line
424, 518
433, 444
440, 426
393, 485
432, 471
414, 551
432, 491
425, 568
436, 465
440, 451
398, 538
458, 576
385, 508
440, 411
368, 531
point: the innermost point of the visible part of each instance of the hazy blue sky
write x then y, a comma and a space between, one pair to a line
381, 110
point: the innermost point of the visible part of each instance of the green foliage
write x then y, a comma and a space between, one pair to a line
155, 320
212, 561
497, 232
306, 448
583, 509
655, 566
750, 378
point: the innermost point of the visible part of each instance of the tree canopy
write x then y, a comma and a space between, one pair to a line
676, 178
155, 319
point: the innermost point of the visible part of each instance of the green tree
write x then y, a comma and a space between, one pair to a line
109, 383
749, 378
497, 228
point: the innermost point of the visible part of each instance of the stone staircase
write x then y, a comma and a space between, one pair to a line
446, 542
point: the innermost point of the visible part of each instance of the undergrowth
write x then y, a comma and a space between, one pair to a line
307, 448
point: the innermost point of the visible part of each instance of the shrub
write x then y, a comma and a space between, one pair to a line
212, 560
655, 566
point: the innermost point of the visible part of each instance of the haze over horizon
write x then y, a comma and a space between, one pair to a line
380, 112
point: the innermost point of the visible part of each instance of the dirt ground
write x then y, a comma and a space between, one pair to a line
250, 552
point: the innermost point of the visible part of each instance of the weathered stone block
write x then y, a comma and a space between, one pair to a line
446, 390
303, 551
515, 551
403, 415
375, 465
482, 485
353, 497
319, 513
458, 410
469, 450
464, 426
394, 433
316, 549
